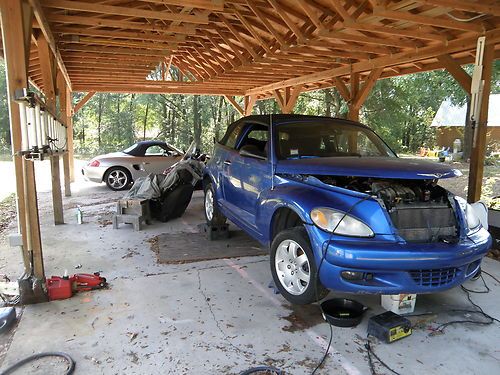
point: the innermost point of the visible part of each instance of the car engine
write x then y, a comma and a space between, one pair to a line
420, 210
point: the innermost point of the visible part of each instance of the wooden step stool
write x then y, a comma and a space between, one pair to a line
132, 211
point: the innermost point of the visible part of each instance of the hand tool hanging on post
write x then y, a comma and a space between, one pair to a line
477, 89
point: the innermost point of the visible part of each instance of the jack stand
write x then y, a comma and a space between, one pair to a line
272, 286
216, 232
31, 291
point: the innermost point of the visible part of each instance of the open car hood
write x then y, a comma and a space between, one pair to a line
376, 167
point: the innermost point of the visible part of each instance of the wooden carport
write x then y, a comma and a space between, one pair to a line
255, 49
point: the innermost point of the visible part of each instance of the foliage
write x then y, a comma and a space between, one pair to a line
400, 109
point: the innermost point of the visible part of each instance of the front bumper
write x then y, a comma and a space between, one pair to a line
393, 267
94, 174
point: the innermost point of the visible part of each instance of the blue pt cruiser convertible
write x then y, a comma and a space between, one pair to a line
329, 194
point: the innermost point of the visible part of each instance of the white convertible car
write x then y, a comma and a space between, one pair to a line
120, 169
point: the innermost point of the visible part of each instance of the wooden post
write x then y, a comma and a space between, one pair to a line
249, 103
56, 190
65, 113
35, 242
49, 75
288, 99
16, 19
69, 124
479, 150
359, 95
353, 113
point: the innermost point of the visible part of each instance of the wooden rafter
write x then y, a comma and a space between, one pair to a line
256, 47
83, 101
235, 104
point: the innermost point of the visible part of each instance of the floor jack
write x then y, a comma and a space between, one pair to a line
64, 287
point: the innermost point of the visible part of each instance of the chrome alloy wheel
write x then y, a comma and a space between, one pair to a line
209, 204
118, 179
292, 267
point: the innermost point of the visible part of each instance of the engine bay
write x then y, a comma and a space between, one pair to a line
420, 210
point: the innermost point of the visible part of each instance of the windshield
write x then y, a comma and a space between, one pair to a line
328, 139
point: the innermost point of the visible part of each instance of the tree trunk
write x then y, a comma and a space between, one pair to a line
145, 121
197, 120
328, 102
219, 118
99, 121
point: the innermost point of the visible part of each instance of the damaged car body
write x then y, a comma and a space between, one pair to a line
329, 194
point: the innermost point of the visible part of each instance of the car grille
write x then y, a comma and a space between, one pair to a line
434, 278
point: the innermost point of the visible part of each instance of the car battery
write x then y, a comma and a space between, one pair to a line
389, 327
59, 288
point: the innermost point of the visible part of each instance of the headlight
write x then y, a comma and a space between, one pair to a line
340, 223
473, 221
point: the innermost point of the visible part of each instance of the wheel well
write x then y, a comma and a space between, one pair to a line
284, 218
116, 167
206, 180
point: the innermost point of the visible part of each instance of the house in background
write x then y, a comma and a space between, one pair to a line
449, 122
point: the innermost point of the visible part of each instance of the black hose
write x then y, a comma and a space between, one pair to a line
22, 362
253, 370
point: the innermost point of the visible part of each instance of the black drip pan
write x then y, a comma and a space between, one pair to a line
343, 312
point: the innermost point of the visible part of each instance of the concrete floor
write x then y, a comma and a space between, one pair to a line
216, 317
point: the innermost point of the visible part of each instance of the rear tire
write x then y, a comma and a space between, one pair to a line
118, 178
212, 214
294, 268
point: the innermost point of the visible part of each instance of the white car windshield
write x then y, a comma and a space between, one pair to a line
328, 139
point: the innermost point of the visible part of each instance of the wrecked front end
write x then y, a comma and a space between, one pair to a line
422, 238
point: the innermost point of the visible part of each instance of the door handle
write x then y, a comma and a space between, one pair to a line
145, 163
227, 162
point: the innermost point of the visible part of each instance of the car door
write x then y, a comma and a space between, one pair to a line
247, 176
158, 157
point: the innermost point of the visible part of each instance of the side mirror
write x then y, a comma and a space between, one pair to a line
252, 151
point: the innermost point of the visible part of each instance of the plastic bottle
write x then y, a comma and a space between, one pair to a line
79, 215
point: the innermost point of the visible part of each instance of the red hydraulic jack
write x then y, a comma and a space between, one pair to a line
64, 287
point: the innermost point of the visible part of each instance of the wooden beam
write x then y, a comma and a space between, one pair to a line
342, 88
426, 20
126, 11
45, 27
363, 93
457, 72
215, 5
280, 100
301, 38
292, 98
48, 69
16, 19
130, 25
65, 114
457, 45
467, 6
56, 189
83, 101
35, 240
235, 104
129, 35
476, 166
249, 103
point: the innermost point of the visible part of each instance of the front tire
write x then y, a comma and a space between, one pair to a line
294, 269
117, 178
212, 214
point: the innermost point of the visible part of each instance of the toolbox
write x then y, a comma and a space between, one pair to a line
389, 327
